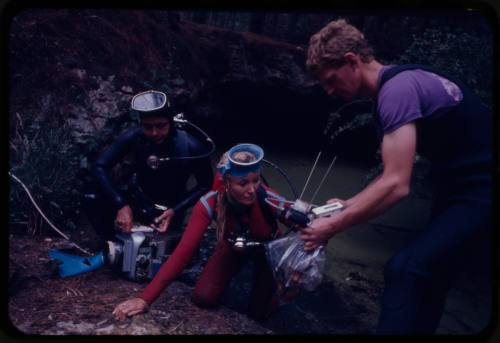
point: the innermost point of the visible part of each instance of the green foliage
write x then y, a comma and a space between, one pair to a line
43, 157
336, 119
359, 120
467, 56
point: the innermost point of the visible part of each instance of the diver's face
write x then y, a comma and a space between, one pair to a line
243, 189
156, 129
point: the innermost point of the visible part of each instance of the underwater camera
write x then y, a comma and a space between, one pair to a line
138, 255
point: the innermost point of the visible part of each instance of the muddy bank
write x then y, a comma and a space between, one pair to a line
40, 303
347, 302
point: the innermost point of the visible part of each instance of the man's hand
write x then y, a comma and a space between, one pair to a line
163, 221
124, 219
130, 308
318, 233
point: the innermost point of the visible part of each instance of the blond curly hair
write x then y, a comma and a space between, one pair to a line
329, 45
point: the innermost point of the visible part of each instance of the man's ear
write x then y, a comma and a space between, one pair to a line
352, 59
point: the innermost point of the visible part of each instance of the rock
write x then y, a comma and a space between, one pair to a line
71, 328
178, 317
102, 105
83, 305
186, 318
192, 62
127, 89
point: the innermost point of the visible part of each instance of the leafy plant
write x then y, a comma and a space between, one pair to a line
43, 157
359, 120
467, 56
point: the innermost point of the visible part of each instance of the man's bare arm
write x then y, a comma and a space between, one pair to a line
398, 153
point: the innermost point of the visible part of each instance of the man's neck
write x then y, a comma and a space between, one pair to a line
371, 72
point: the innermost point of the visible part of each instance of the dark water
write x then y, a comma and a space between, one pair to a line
362, 251
347, 302
335, 307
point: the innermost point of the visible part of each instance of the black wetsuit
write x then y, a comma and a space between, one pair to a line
417, 278
166, 185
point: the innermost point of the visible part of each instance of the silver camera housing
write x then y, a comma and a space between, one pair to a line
138, 255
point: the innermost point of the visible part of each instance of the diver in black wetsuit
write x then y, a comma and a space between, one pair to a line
152, 183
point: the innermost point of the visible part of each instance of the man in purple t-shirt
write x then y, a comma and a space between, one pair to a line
413, 94
417, 109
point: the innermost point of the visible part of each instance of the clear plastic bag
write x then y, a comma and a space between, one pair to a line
292, 266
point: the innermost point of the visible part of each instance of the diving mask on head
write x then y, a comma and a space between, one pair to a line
151, 103
242, 159
156, 103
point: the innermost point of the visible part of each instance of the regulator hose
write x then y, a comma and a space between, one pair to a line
295, 194
154, 161
181, 121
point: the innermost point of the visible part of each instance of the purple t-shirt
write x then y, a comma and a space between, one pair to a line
413, 94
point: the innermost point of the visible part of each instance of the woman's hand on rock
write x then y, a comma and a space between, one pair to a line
130, 308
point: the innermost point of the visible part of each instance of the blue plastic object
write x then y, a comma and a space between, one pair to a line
72, 265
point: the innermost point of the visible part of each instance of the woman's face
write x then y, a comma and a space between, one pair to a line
243, 189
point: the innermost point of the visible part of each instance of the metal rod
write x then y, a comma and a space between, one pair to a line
322, 180
309, 177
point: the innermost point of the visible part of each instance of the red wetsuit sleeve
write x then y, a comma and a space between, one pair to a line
198, 222
217, 182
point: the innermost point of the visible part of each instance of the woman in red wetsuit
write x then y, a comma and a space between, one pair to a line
237, 203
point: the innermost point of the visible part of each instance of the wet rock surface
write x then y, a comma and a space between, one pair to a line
42, 303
